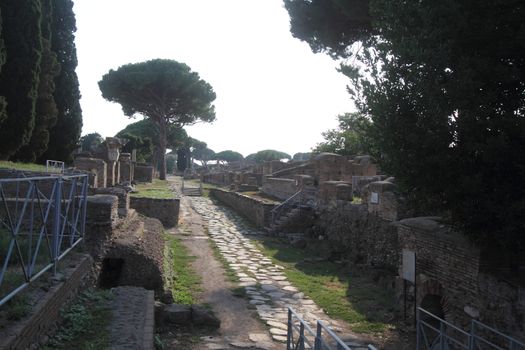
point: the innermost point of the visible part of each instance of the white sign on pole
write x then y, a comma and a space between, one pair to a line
409, 266
374, 198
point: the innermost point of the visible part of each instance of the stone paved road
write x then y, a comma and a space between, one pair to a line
265, 283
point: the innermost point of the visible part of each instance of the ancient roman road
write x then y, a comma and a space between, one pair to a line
267, 288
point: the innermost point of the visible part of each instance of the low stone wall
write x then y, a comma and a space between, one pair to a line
46, 313
122, 195
257, 211
143, 173
280, 188
166, 210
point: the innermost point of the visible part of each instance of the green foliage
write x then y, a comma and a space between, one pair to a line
229, 156
352, 137
330, 26
302, 156
20, 74
3, 102
85, 323
443, 83
267, 155
186, 281
46, 109
171, 162
159, 189
22, 166
144, 137
90, 142
64, 136
165, 91
343, 294
202, 153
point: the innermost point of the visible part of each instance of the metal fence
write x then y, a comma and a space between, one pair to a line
434, 333
41, 220
54, 166
300, 336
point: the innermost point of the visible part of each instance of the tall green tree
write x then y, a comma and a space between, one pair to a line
267, 155
444, 83
229, 156
90, 142
353, 136
3, 103
64, 136
165, 91
20, 74
202, 153
146, 135
46, 109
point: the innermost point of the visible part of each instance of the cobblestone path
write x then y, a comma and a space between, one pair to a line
265, 283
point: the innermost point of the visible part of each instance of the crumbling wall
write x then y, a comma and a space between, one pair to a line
166, 210
97, 166
347, 231
143, 173
280, 188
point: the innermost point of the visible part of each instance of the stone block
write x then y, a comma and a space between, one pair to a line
382, 200
143, 173
94, 165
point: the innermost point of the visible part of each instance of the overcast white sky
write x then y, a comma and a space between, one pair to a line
272, 91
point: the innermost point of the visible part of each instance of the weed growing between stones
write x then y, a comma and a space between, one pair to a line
351, 297
229, 272
85, 323
181, 279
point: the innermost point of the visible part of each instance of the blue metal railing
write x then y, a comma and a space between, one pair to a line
300, 336
41, 220
54, 166
434, 333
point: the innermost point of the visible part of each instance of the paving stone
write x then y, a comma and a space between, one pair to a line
278, 331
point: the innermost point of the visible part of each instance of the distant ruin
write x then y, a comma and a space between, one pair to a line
350, 211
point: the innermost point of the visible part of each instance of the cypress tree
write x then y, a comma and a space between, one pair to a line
46, 110
3, 103
20, 74
65, 134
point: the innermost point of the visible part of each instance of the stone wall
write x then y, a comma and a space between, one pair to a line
348, 232
447, 266
280, 188
101, 220
97, 166
257, 211
333, 191
46, 313
143, 173
122, 195
166, 210
382, 200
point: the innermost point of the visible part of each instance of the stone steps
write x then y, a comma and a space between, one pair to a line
192, 191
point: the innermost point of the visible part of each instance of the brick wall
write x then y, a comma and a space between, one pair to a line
47, 312
255, 210
447, 265
166, 210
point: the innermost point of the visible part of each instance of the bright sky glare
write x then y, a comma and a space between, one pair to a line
272, 91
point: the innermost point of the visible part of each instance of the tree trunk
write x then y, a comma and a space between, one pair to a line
162, 148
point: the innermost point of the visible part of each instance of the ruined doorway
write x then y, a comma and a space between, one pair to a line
110, 273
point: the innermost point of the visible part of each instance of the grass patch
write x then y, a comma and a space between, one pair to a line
85, 323
353, 298
182, 281
158, 189
230, 273
22, 166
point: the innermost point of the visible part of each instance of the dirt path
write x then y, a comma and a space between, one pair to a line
240, 328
